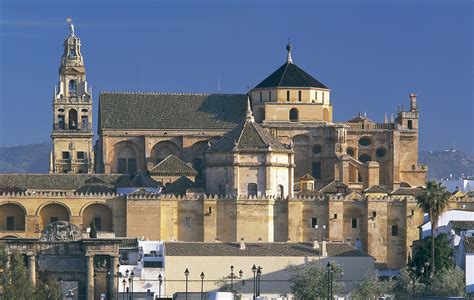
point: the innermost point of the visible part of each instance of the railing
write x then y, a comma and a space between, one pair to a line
80, 126
371, 126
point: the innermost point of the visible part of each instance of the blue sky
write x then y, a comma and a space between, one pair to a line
372, 54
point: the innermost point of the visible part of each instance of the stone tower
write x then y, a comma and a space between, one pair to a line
72, 113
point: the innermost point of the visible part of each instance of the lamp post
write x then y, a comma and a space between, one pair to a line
259, 275
129, 288
329, 269
124, 283
132, 275
202, 284
427, 267
160, 281
118, 275
186, 273
413, 270
254, 271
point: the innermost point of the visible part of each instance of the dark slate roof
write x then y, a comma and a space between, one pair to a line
170, 111
257, 249
140, 179
376, 189
249, 136
173, 166
334, 186
290, 75
469, 244
179, 186
52, 181
94, 185
143, 192
462, 225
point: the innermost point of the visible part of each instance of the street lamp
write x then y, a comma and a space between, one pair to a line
413, 270
202, 283
259, 275
118, 275
129, 288
329, 269
160, 281
254, 271
124, 283
427, 267
132, 275
232, 276
186, 273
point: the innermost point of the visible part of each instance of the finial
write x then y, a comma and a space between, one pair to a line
71, 26
249, 115
385, 119
391, 118
288, 48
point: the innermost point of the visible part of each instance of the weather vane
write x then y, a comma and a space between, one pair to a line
71, 26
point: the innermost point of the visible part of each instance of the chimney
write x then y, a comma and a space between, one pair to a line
323, 249
242, 244
315, 244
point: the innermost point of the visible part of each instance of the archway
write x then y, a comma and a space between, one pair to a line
51, 213
12, 217
162, 149
99, 214
126, 158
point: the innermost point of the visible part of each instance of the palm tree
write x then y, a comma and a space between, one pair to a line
433, 200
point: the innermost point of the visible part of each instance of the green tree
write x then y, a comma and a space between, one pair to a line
448, 282
50, 290
93, 232
433, 200
17, 286
408, 284
443, 253
372, 287
310, 280
224, 285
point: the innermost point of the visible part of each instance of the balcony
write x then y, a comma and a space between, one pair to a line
62, 128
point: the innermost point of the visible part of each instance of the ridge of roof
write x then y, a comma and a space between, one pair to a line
173, 165
169, 93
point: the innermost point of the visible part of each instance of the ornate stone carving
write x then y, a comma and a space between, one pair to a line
61, 231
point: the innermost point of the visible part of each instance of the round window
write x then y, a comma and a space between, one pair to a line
380, 152
365, 141
317, 149
350, 151
364, 158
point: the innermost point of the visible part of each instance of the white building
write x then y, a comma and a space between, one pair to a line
443, 221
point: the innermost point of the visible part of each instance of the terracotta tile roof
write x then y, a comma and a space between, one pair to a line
290, 75
53, 181
307, 177
249, 136
130, 243
173, 166
140, 179
179, 186
376, 189
257, 249
170, 111
336, 186
94, 185
407, 192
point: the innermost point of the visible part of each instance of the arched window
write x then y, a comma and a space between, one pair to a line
281, 191
72, 119
364, 158
252, 189
72, 87
293, 115
72, 53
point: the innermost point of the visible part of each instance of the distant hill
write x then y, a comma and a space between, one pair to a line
34, 158
444, 163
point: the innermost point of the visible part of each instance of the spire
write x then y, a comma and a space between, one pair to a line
249, 115
71, 26
288, 48
385, 119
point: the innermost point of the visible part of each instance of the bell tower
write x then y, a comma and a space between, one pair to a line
72, 113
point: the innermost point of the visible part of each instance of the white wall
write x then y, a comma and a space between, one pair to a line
450, 215
470, 273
